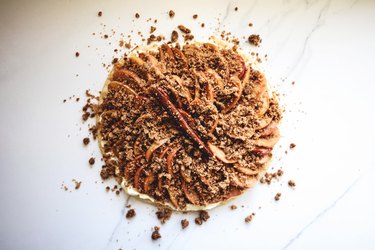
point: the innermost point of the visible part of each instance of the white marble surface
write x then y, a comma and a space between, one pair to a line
326, 47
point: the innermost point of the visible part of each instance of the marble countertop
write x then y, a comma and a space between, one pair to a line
327, 48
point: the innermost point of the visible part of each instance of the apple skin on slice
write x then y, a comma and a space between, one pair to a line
246, 183
115, 85
219, 154
191, 196
268, 142
148, 182
137, 184
237, 97
247, 170
129, 165
170, 158
155, 146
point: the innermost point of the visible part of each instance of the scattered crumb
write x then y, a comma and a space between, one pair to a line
203, 217
188, 37
254, 39
163, 214
233, 207
198, 221
174, 36
277, 196
77, 54
171, 13
152, 29
155, 234
249, 217
293, 82
202, 25
130, 214
77, 184
250, 24
77, 99
107, 188
292, 145
137, 15
184, 223
92, 161
236, 8
64, 100
291, 183
195, 16
100, 13
280, 172
86, 140
184, 29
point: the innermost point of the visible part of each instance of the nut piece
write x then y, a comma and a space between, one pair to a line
171, 13
184, 29
130, 214
277, 196
174, 36
92, 161
292, 145
254, 39
155, 234
86, 140
184, 223
291, 183
249, 218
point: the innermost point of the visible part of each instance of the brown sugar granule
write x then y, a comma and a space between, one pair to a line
130, 214
77, 99
174, 36
189, 37
202, 25
291, 183
86, 140
64, 100
250, 24
163, 214
236, 8
92, 161
249, 218
152, 29
184, 29
100, 13
184, 223
195, 16
77, 54
292, 145
277, 196
171, 13
233, 207
155, 234
254, 39
137, 15
105, 36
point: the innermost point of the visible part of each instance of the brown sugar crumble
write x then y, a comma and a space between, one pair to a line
77, 184
202, 25
188, 37
195, 16
292, 145
155, 234
100, 13
236, 8
171, 13
130, 214
152, 29
233, 207
277, 196
184, 223
203, 217
291, 183
254, 39
184, 29
77, 54
249, 217
92, 161
163, 214
137, 15
250, 24
86, 140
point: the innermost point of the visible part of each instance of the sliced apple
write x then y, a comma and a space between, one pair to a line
261, 151
216, 77
263, 122
190, 120
191, 196
185, 176
155, 146
173, 196
186, 92
210, 46
212, 129
180, 56
137, 174
237, 97
165, 50
265, 102
247, 170
241, 73
265, 159
162, 154
268, 142
219, 154
129, 166
270, 129
233, 192
148, 182
244, 183
137, 61
114, 85
170, 158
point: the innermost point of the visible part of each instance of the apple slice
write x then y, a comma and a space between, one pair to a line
263, 122
265, 102
186, 177
137, 174
241, 73
173, 196
170, 158
180, 56
219, 154
216, 77
129, 166
148, 182
237, 97
152, 63
185, 91
191, 196
162, 154
212, 129
246, 170
114, 85
155, 146
268, 142
246, 182
137, 61
261, 151
233, 192
270, 129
